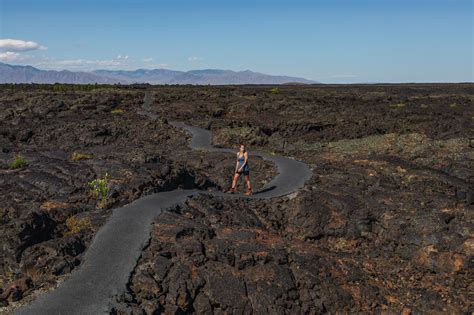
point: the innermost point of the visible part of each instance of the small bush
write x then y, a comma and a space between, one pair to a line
453, 105
100, 189
18, 162
398, 105
63, 87
77, 156
75, 225
275, 90
117, 111
423, 106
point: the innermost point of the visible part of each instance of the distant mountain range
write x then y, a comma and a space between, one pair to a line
29, 74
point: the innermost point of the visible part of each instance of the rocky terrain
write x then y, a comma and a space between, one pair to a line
67, 139
385, 224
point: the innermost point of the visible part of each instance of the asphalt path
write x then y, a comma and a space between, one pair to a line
115, 249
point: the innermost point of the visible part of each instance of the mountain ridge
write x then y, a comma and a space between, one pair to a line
29, 74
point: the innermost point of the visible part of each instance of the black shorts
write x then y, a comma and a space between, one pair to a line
245, 172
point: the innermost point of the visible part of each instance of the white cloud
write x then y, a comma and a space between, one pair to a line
158, 65
86, 62
80, 64
193, 59
150, 64
124, 62
10, 56
120, 57
13, 45
10, 48
343, 76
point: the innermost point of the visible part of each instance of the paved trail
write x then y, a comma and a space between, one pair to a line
116, 247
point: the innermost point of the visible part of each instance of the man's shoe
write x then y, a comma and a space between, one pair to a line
231, 191
249, 192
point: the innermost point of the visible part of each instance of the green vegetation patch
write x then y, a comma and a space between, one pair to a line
63, 87
77, 156
18, 162
275, 90
117, 111
100, 189
414, 145
398, 105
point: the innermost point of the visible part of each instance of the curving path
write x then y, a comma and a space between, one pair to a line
116, 247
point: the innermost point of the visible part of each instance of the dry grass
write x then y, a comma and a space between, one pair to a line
52, 204
77, 156
117, 111
75, 225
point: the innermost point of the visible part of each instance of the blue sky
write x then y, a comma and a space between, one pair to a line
328, 40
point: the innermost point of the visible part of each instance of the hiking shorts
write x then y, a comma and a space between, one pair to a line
245, 172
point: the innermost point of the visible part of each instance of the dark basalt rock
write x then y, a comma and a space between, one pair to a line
385, 224
382, 227
39, 227
15, 290
141, 155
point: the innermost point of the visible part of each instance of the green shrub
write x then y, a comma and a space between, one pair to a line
63, 87
275, 90
100, 189
398, 105
18, 162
